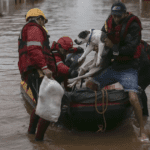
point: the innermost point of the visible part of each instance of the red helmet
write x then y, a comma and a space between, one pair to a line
65, 42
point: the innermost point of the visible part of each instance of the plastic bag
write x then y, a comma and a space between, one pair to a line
49, 100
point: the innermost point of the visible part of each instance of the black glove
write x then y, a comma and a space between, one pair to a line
80, 49
74, 65
68, 63
73, 73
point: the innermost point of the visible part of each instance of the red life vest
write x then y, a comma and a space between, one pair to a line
62, 69
24, 63
118, 33
59, 58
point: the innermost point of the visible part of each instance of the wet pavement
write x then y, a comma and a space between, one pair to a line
66, 18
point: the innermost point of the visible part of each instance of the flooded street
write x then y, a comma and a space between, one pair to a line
66, 18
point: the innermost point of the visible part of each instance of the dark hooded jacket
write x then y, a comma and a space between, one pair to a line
127, 47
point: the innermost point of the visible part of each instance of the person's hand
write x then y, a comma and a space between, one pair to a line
48, 73
80, 49
108, 43
73, 73
68, 63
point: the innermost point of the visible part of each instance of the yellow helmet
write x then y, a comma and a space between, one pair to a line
35, 12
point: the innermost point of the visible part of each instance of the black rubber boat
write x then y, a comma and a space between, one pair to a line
81, 106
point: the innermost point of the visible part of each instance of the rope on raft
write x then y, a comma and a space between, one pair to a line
103, 110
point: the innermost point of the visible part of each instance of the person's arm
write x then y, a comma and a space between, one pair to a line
34, 49
64, 70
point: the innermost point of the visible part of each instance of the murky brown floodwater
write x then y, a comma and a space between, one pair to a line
66, 17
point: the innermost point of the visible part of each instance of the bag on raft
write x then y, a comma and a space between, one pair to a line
49, 100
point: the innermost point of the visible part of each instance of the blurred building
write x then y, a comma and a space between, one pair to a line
10, 6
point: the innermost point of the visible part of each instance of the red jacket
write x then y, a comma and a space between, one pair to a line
34, 50
62, 69
118, 33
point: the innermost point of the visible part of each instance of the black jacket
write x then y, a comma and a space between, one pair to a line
127, 47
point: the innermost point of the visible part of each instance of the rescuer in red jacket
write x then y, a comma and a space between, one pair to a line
35, 55
60, 49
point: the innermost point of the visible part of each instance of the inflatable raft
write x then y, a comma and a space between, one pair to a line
109, 106
84, 105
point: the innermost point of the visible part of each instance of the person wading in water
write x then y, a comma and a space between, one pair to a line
36, 60
35, 57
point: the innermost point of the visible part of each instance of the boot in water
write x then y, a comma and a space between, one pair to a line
33, 122
42, 127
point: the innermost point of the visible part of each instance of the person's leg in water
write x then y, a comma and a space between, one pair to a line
35, 120
32, 79
129, 80
144, 109
138, 112
41, 129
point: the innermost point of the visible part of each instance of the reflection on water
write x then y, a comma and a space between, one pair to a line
10, 6
66, 17
4, 6
142, 5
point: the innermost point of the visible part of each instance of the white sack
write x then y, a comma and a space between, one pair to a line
49, 101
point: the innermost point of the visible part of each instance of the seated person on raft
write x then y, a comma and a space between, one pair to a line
60, 49
124, 68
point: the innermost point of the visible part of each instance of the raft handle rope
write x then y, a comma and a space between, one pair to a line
103, 110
